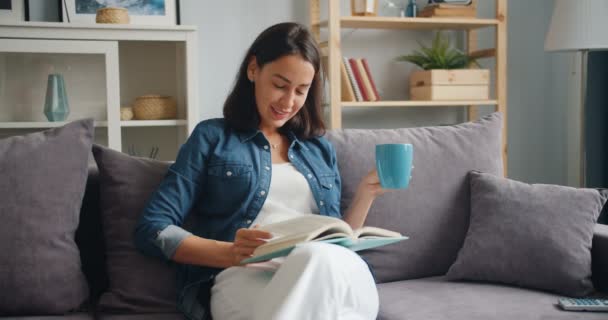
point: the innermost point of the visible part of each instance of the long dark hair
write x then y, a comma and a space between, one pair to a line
279, 40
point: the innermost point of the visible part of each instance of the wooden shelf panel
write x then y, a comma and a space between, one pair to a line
410, 103
94, 31
41, 124
153, 123
413, 23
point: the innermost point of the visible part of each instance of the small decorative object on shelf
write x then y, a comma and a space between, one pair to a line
154, 107
411, 10
364, 7
440, 80
126, 113
391, 8
113, 15
56, 107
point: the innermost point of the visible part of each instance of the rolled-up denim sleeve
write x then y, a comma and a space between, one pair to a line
158, 232
170, 238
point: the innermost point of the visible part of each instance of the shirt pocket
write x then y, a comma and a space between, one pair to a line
228, 187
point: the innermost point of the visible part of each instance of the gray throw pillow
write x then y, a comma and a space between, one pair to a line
42, 182
137, 283
531, 235
434, 210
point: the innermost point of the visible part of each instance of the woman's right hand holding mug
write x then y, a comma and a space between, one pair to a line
245, 241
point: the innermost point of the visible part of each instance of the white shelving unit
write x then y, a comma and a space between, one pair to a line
105, 67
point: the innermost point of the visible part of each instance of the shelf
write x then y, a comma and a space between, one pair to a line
95, 31
153, 123
411, 103
414, 23
41, 124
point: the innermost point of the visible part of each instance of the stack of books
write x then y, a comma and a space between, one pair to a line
357, 83
442, 10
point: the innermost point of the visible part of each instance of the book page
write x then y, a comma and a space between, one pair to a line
306, 225
293, 231
375, 232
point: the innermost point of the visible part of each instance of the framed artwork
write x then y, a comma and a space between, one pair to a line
143, 12
43, 10
11, 11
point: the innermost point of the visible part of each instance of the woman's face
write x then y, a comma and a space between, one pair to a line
281, 88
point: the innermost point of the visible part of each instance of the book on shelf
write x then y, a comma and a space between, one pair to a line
366, 81
347, 92
358, 79
439, 12
371, 79
351, 78
287, 234
453, 5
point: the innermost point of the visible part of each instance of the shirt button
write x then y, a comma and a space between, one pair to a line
249, 221
291, 156
309, 176
330, 185
321, 203
267, 168
229, 173
265, 147
262, 192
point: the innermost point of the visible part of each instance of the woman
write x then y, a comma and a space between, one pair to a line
265, 161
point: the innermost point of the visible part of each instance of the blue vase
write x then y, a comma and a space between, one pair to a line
56, 107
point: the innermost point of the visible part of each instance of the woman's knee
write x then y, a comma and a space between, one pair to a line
326, 253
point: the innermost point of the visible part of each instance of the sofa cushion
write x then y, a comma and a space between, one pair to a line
137, 283
535, 236
43, 176
434, 210
438, 299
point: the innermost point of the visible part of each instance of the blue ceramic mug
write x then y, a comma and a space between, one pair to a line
394, 164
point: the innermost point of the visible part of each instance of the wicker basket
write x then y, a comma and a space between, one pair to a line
154, 107
112, 15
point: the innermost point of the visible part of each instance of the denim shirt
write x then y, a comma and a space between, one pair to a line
220, 180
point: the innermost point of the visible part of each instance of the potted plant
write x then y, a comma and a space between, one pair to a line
446, 74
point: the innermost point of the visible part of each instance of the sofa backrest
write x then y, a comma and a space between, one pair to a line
434, 210
89, 238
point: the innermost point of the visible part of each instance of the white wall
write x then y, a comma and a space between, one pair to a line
543, 124
226, 30
540, 84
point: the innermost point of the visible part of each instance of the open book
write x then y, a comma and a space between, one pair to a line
287, 234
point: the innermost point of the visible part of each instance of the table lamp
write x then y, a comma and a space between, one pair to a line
579, 26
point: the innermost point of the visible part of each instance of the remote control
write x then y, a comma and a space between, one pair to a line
583, 304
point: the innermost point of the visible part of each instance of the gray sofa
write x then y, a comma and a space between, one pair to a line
434, 212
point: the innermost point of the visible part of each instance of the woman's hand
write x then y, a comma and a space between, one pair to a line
370, 185
245, 241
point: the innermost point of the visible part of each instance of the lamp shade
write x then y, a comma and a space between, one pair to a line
578, 25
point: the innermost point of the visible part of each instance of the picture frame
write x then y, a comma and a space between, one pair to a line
157, 12
11, 11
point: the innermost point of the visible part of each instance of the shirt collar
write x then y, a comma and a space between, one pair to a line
249, 134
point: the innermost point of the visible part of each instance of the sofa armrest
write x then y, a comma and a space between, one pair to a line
599, 257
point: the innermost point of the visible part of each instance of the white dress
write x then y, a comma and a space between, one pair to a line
315, 281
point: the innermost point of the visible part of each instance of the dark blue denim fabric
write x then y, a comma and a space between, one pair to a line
222, 177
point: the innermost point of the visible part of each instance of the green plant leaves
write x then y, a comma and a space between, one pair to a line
441, 55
